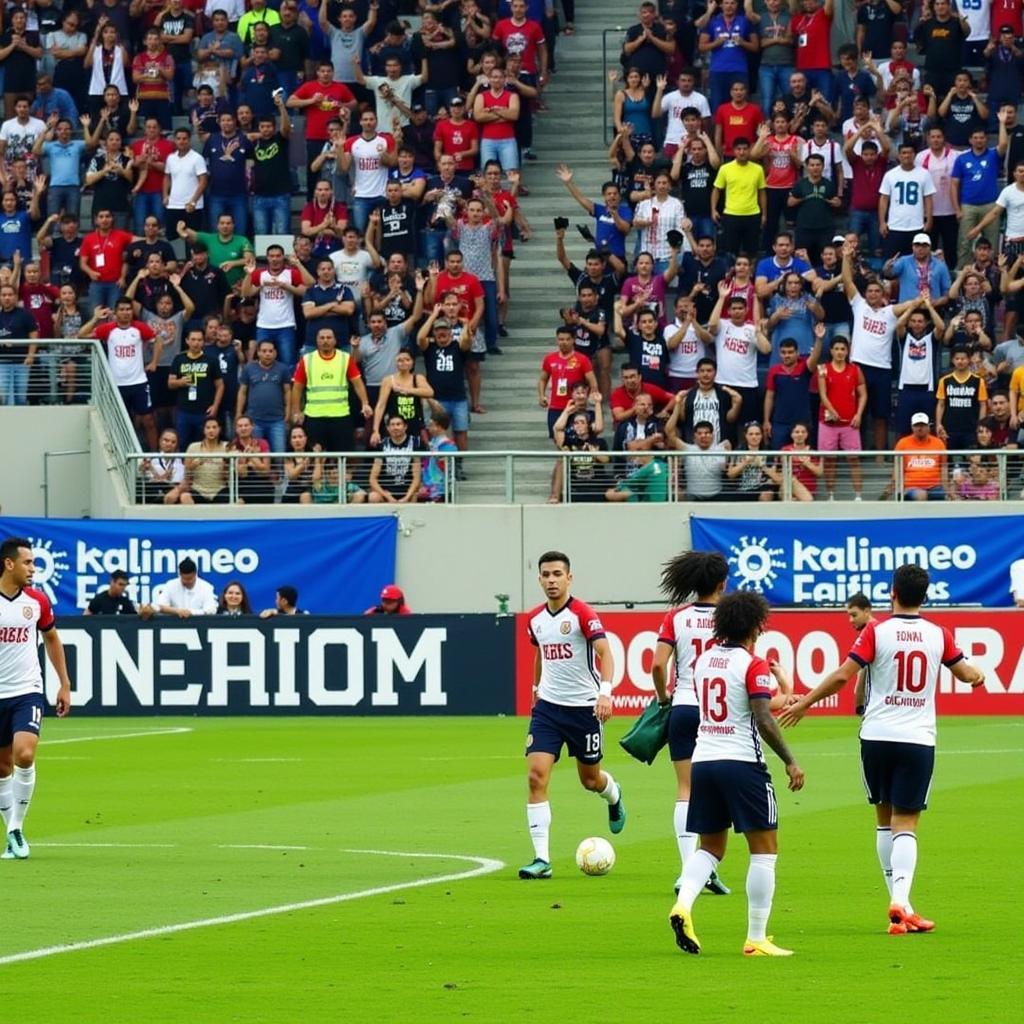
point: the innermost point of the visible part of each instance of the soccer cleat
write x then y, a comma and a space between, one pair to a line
902, 923
764, 947
17, 845
682, 925
717, 886
8, 853
617, 815
537, 868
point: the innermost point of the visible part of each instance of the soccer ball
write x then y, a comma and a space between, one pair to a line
595, 856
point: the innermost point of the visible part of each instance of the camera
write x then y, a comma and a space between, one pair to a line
561, 223
278, 93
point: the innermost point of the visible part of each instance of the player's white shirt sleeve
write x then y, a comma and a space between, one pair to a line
690, 632
22, 619
569, 673
727, 680
905, 654
1017, 579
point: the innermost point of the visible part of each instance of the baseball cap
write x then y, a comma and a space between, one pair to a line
457, 101
391, 593
838, 238
417, 107
921, 239
919, 417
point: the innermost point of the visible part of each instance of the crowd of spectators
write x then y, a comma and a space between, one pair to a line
788, 256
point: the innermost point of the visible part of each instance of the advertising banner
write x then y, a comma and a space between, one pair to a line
816, 563
295, 665
809, 645
338, 566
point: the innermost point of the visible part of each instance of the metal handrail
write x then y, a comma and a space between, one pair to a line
122, 441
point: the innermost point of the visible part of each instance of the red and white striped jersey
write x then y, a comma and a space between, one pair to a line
905, 653
565, 639
726, 680
21, 618
690, 630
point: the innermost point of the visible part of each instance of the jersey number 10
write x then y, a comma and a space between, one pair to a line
911, 670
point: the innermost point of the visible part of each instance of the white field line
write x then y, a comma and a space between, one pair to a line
256, 760
110, 846
170, 731
484, 866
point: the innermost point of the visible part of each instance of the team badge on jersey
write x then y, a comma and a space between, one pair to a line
565, 628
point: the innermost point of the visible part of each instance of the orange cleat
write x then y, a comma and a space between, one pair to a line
903, 923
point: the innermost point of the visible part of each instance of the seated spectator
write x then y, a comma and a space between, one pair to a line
255, 483
925, 469
395, 476
207, 481
234, 601
392, 602
804, 470
298, 468
648, 482
589, 468
162, 476
642, 432
976, 483
704, 472
187, 594
757, 478
114, 600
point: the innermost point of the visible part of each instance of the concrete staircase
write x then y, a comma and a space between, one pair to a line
571, 132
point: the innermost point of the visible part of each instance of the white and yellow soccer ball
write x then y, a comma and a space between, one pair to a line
595, 856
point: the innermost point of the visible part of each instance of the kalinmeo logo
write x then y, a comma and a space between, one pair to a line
51, 564
754, 563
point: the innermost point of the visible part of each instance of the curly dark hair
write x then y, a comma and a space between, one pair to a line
739, 615
693, 574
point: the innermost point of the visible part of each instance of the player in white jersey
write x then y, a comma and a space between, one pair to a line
858, 610
24, 613
686, 632
572, 699
729, 778
897, 737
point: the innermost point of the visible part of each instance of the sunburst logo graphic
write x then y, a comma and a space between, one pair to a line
754, 563
51, 564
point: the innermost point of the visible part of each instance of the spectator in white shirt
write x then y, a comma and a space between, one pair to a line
187, 595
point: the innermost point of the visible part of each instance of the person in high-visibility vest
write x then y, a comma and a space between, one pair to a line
322, 378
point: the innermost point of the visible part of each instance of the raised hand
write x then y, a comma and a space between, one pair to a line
564, 173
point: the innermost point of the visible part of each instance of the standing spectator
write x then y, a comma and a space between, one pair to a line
736, 119
457, 137
323, 220
645, 346
263, 393
938, 160
152, 74
787, 398
623, 399
746, 210
150, 154
347, 41
1011, 201
905, 203
369, 154
15, 359
646, 45
793, 315
496, 109
920, 274
941, 37
962, 111
376, 352
524, 38
393, 225
16, 225
19, 51
444, 360
257, 13
477, 239
728, 37
271, 198
221, 44
277, 287
631, 107
176, 26
613, 217
699, 274
961, 402
658, 219
444, 53
708, 402
187, 594
683, 346
925, 467
65, 49
875, 21
776, 42
51, 100
917, 339
975, 189
101, 259
780, 152
18, 134
844, 397
206, 285
109, 175
852, 83
816, 205
328, 303
395, 475
812, 30
228, 155
259, 83
392, 91
1005, 65
289, 47
108, 64
674, 105
229, 250
466, 287
185, 180
196, 379
322, 101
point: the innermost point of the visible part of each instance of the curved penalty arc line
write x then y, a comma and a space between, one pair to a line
484, 866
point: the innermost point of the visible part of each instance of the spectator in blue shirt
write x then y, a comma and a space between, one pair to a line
727, 38
851, 83
770, 271
226, 153
613, 218
258, 82
974, 187
51, 100
920, 272
64, 158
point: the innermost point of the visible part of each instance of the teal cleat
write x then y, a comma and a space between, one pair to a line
617, 815
8, 854
17, 845
717, 886
537, 868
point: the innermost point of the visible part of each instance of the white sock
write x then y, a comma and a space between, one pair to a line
610, 793
696, 871
904, 861
24, 783
538, 817
760, 890
6, 798
883, 844
686, 840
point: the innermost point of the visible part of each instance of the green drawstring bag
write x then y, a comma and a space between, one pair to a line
649, 733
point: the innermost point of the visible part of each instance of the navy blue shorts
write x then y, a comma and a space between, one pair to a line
878, 381
683, 722
551, 725
136, 399
899, 774
20, 714
737, 793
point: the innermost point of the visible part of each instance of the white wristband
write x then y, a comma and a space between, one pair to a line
605, 689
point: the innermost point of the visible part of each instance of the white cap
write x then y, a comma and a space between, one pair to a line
919, 417
922, 239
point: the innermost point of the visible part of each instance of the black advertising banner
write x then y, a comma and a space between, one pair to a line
298, 665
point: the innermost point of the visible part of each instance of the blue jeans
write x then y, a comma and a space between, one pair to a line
820, 79
237, 206
865, 222
283, 338
505, 151
189, 426
772, 80
490, 313
14, 383
434, 98
64, 197
721, 83
433, 245
360, 208
182, 84
271, 214
273, 431
147, 204
103, 294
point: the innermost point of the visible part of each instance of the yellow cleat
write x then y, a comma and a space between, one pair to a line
682, 924
764, 947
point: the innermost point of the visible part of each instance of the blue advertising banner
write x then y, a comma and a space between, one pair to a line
338, 566
798, 562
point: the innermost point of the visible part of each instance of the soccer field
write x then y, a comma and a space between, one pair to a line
306, 870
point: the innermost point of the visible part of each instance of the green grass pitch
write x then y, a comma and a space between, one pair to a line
139, 833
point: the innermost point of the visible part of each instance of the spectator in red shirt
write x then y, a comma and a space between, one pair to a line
323, 220
321, 101
152, 73
149, 154
623, 399
563, 368
812, 31
392, 602
524, 37
101, 259
457, 137
868, 170
737, 119
464, 284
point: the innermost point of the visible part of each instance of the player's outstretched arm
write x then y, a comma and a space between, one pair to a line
55, 652
772, 735
830, 684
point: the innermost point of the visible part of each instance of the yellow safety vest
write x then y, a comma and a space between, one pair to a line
327, 385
